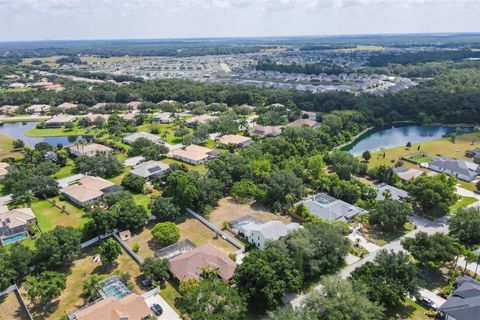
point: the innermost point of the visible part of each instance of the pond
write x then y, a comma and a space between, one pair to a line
16, 130
397, 136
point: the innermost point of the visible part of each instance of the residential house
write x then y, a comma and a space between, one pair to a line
134, 105
407, 174
265, 131
37, 108
130, 307
8, 109
129, 116
88, 190
66, 106
204, 118
89, 150
58, 121
461, 169
129, 139
162, 117
260, 234
394, 193
310, 115
4, 169
190, 264
194, 154
150, 169
15, 221
16, 85
303, 123
93, 117
233, 139
464, 303
330, 209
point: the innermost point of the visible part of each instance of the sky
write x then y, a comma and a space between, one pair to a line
156, 19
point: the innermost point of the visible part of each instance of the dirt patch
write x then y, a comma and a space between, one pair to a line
10, 308
228, 210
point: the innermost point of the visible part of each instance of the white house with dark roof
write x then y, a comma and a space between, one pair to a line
150, 169
129, 139
330, 209
461, 169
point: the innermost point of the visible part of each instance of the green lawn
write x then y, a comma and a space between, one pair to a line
200, 168
49, 216
65, 171
166, 131
169, 293
409, 310
432, 148
463, 202
6, 148
56, 132
142, 200
466, 185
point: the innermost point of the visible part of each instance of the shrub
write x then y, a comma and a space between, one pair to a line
166, 233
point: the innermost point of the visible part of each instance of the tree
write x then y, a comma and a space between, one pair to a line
129, 215
155, 269
344, 164
102, 165
388, 279
23, 199
366, 155
244, 190
18, 144
164, 208
166, 233
102, 221
337, 300
109, 250
265, 275
281, 188
389, 215
21, 258
434, 195
315, 166
58, 247
213, 299
45, 287
133, 183
89, 291
317, 249
7, 273
432, 250
182, 187
464, 225
289, 313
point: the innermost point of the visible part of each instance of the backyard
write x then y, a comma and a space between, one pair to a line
10, 308
80, 270
6, 146
50, 216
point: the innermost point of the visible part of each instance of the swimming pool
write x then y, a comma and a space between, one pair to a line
114, 287
15, 238
116, 292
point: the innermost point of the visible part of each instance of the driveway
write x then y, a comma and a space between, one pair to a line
467, 193
431, 295
357, 236
168, 312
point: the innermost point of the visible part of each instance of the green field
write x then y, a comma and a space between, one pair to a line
58, 132
49, 216
463, 202
418, 158
6, 146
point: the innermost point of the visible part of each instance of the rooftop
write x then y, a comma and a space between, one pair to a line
15, 217
464, 304
149, 168
89, 149
329, 208
131, 307
395, 193
233, 139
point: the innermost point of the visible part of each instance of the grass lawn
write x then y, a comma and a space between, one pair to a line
142, 200
381, 238
432, 148
49, 216
56, 132
169, 293
166, 131
200, 168
463, 202
10, 308
81, 269
6, 148
65, 171
409, 310
466, 185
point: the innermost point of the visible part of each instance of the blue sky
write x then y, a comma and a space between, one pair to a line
121, 19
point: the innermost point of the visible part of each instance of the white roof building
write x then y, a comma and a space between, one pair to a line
134, 136
150, 169
261, 234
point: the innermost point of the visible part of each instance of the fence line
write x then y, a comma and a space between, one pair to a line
128, 249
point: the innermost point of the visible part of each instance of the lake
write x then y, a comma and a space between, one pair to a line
397, 136
16, 130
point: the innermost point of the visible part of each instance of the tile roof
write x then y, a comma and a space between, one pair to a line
15, 217
89, 149
233, 139
88, 188
131, 307
149, 168
190, 264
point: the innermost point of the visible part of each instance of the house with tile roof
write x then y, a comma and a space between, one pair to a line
130, 307
89, 149
194, 154
88, 190
15, 221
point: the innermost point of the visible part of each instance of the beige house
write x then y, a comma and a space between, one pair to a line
15, 221
58, 121
3, 169
302, 123
134, 105
16, 85
66, 106
89, 150
237, 140
38, 108
162, 117
190, 264
88, 190
93, 116
265, 131
204, 118
194, 154
130, 307
7, 109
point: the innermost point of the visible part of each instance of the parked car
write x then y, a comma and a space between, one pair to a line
157, 309
427, 302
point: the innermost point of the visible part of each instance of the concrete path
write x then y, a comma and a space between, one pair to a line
467, 193
432, 295
357, 236
168, 312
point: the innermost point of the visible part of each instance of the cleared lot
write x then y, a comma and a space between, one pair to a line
10, 308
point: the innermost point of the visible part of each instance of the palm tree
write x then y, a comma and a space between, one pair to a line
90, 292
24, 199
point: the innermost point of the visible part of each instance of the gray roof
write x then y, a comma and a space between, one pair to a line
329, 208
134, 136
458, 166
396, 193
464, 304
149, 168
274, 230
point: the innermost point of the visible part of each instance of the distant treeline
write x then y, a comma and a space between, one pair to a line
310, 68
383, 60
326, 47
